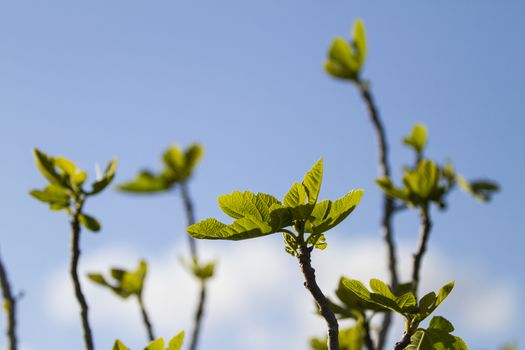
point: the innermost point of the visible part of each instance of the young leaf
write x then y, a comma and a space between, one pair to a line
52, 195
339, 210
359, 40
243, 228
45, 164
192, 156
75, 175
436, 337
175, 160
296, 196
89, 222
312, 181
417, 139
482, 190
109, 174
341, 62
176, 342
146, 182
157, 344
119, 345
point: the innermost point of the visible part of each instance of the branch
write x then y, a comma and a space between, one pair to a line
304, 256
367, 338
198, 316
10, 308
75, 255
145, 319
425, 227
388, 203
403, 343
188, 206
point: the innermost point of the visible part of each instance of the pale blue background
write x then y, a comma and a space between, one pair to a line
98, 79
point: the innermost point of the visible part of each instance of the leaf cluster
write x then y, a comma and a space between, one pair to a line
427, 182
125, 283
346, 59
65, 187
405, 304
178, 167
437, 336
158, 344
260, 214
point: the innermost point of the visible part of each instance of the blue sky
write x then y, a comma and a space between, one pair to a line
96, 80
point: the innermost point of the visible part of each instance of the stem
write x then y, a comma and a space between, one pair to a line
75, 255
425, 227
369, 343
304, 256
145, 319
403, 343
198, 316
10, 308
388, 203
199, 312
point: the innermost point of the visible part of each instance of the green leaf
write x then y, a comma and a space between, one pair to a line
133, 282
381, 288
353, 302
157, 344
244, 228
119, 345
146, 182
359, 37
98, 279
176, 342
312, 181
52, 195
46, 165
242, 204
417, 139
175, 160
386, 185
192, 155
482, 190
109, 174
339, 210
441, 323
341, 62
89, 222
296, 196
76, 175
436, 337
422, 183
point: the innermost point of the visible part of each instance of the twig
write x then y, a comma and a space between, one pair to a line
425, 227
369, 343
388, 203
75, 255
304, 256
403, 343
199, 312
145, 319
10, 307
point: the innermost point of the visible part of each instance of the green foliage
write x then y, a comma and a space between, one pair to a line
158, 344
428, 182
417, 139
436, 337
262, 214
178, 167
126, 283
404, 304
349, 339
346, 59
202, 271
65, 189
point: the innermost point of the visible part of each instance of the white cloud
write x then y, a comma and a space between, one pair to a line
257, 300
